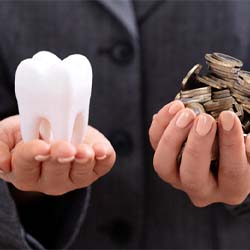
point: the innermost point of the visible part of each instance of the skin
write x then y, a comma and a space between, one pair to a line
65, 168
54, 168
193, 175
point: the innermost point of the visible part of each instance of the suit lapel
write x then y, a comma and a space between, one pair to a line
123, 10
144, 8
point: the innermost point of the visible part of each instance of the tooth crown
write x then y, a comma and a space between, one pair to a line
53, 96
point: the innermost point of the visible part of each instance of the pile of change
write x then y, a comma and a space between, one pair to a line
224, 87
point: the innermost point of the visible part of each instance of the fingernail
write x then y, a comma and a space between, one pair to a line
204, 124
174, 108
81, 160
1, 171
101, 157
66, 159
42, 157
105, 147
227, 120
184, 119
154, 116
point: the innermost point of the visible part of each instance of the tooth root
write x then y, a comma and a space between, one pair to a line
45, 130
78, 130
85, 122
30, 128
62, 128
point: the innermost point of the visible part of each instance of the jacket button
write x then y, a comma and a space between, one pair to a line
122, 53
121, 142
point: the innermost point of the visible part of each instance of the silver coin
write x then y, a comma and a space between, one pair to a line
245, 75
194, 71
228, 59
196, 107
210, 58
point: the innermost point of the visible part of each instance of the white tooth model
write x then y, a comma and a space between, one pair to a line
53, 97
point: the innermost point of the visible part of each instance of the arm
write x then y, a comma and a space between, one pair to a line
41, 216
54, 196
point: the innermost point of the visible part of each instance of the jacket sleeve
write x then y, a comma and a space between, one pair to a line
50, 222
42, 223
12, 235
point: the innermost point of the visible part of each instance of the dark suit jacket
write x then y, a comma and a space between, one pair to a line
140, 53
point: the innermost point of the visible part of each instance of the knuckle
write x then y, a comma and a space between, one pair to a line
192, 150
229, 144
193, 187
237, 200
81, 173
23, 187
175, 185
159, 169
76, 181
163, 172
80, 179
235, 171
190, 180
169, 140
102, 170
85, 183
200, 203
55, 191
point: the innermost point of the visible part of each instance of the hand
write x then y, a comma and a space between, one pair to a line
172, 126
52, 169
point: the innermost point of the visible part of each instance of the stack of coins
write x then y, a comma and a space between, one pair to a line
224, 87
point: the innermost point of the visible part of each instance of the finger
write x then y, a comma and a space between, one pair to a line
10, 131
170, 145
84, 153
5, 158
161, 121
25, 167
105, 156
104, 152
233, 168
101, 150
81, 172
94, 136
63, 152
196, 177
55, 172
92, 163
